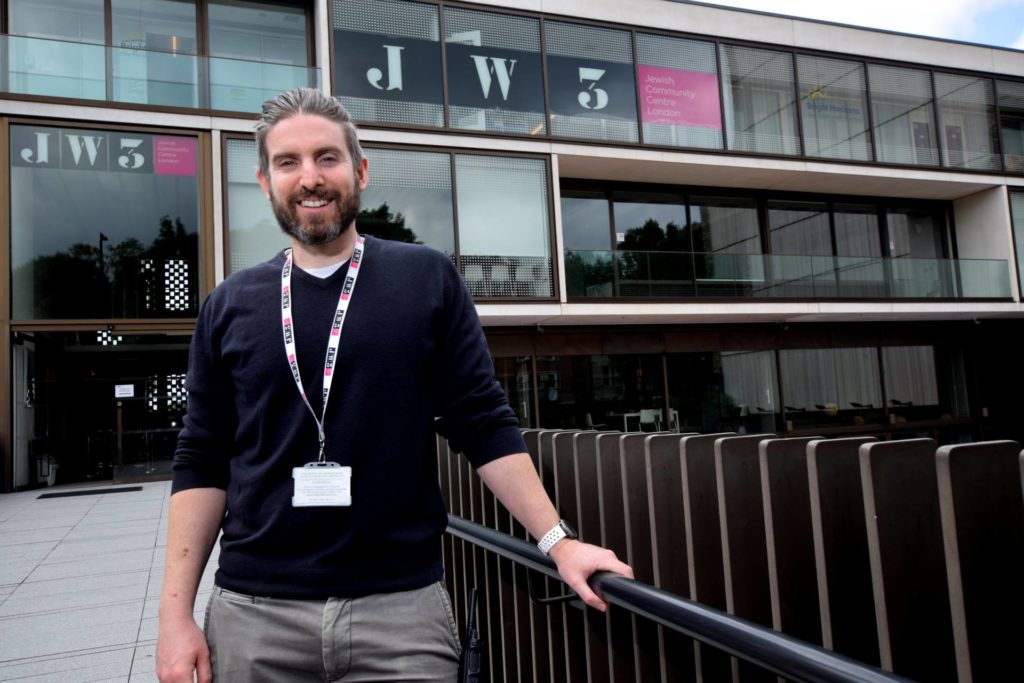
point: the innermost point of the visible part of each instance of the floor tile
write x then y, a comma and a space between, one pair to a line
83, 591
94, 666
69, 631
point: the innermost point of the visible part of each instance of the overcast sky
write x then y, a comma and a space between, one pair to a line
989, 22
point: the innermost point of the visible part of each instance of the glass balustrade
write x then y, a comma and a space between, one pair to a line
662, 274
55, 68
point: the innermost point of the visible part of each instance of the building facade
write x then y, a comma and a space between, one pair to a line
671, 215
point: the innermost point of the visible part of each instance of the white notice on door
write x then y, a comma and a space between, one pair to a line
124, 391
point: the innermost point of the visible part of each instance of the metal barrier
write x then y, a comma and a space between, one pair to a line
755, 557
775, 652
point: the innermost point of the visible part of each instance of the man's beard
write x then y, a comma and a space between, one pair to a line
319, 230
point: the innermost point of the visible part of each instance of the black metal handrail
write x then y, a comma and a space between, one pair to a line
776, 652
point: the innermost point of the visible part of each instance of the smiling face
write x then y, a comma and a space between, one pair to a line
312, 185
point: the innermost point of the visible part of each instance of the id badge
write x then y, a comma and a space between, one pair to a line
322, 485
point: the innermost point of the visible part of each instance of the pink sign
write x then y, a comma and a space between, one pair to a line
174, 156
679, 98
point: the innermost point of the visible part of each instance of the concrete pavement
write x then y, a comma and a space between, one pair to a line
80, 582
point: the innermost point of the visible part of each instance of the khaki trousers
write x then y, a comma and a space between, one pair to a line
406, 636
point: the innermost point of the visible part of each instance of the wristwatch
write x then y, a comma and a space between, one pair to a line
560, 531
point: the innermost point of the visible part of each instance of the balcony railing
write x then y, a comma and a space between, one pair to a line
55, 68
658, 274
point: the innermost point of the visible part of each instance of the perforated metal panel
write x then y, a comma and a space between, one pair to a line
242, 160
387, 17
409, 170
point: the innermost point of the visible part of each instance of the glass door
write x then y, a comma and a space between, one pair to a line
105, 405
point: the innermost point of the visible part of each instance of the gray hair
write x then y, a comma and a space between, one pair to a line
305, 101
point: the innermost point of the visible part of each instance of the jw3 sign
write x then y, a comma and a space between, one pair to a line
404, 69
98, 150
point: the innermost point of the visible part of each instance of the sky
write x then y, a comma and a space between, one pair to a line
989, 22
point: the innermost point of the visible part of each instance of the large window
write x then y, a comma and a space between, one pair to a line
253, 232
615, 392
56, 48
917, 247
679, 99
901, 102
654, 247
833, 101
801, 249
968, 121
858, 245
494, 72
591, 83
1011, 123
104, 224
387, 61
154, 60
504, 229
831, 386
912, 384
409, 198
155, 51
760, 102
1017, 218
723, 391
257, 49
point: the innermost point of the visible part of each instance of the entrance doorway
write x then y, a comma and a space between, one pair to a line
103, 405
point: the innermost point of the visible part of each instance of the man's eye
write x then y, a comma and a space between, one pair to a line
329, 159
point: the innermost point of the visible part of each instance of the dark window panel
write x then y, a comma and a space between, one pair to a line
122, 242
591, 84
387, 61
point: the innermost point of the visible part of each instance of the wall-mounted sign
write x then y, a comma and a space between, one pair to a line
375, 66
490, 77
124, 391
591, 88
97, 150
679, 98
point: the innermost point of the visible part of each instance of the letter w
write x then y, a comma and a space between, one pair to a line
91, 144
500, 67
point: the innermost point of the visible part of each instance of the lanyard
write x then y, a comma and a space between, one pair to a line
288, 328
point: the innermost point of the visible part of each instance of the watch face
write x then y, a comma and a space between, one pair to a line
569, 531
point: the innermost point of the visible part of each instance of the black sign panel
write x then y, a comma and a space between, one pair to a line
592, 88
81, 149
491, 77
382, 67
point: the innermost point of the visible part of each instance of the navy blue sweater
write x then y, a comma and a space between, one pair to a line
411, 350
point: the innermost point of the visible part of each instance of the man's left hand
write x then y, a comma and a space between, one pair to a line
577, 561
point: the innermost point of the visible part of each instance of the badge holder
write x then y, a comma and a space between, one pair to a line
322, 484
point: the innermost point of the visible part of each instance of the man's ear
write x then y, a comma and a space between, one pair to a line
363, 173
264, 183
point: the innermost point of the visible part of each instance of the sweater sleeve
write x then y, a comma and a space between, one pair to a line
474, 414
204, 444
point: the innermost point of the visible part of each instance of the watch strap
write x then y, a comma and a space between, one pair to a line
557, 533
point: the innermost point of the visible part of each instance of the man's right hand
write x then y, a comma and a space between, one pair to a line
180, 650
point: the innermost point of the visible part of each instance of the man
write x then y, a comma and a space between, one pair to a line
319, 466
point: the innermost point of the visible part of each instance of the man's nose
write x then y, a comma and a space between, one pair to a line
311, 176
